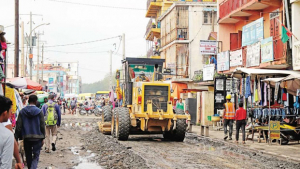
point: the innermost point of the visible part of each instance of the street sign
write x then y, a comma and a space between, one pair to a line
275, 135
274, 125
275, 130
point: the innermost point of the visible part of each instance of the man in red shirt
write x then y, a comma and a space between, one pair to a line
240, 117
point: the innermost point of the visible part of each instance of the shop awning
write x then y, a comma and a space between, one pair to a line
279, 79
238, 72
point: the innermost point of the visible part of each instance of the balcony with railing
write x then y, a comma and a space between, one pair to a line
232, 11
152, 30
153, 6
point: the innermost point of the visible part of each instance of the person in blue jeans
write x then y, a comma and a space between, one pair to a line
30, 127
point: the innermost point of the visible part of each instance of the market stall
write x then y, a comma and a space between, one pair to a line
269, 97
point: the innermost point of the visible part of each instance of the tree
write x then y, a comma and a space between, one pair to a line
102, 85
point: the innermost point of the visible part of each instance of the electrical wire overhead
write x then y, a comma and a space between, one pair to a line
71, 44
94, 5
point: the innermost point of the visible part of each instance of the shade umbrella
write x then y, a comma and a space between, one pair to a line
24, 83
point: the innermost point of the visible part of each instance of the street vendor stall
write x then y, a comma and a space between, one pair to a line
269, 100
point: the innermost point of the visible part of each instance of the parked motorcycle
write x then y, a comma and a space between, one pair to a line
289, 132
85, 110
98, 110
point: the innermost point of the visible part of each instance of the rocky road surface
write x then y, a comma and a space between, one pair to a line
81, 145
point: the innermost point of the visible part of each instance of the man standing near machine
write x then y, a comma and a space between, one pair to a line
228, 117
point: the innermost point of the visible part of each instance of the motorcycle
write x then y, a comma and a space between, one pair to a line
289, 132
98, 110
85, 110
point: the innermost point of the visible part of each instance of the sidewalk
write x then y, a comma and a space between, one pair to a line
290, 151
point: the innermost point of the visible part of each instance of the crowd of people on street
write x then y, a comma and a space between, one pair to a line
34, 127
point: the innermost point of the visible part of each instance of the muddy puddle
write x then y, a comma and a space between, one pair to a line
82, 126
85, 161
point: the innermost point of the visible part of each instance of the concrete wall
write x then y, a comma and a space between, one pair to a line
195, 23
225, 29
296, 31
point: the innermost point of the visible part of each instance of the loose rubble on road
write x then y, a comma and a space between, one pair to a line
91, 149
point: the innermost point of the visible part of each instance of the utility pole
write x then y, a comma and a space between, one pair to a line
123, 42
42, 65
22, 51
30, 45
16, 59
110, 64
212, 21
38, 59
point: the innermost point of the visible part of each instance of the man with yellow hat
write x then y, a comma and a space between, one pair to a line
228, 117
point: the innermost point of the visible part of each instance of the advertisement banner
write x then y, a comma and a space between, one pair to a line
267, 53
253, 32
208, 72
51, 80
236, 58
223, 61
253, 55
208, 47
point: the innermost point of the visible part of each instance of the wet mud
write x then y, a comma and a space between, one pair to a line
81, 145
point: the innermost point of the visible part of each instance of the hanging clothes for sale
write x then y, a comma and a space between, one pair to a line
265, 103
242, 87
255, 91
1, 90
248, 87
2, 76
258, 89
276, 91
18, 102
284, 94
279, 96
10, 93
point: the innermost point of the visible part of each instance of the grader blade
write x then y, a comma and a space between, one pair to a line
105, 127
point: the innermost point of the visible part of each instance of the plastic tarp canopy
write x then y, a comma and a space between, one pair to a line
238, 72
178, 88
24, 83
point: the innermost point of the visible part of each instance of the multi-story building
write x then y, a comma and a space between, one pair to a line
250, 32
155, 8
182, 28
295, 12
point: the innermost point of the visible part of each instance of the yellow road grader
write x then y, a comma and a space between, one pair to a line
147, 103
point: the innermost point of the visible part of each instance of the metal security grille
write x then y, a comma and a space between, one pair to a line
158, 95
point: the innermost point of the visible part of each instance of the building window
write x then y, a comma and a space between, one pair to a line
208, 16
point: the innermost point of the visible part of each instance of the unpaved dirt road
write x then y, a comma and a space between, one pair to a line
81, 145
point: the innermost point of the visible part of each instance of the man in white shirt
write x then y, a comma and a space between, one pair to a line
6, 136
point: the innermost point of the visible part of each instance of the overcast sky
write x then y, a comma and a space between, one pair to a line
75, 23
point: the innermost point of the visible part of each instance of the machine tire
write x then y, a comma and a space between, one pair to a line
122, 123
106, 114
179, 132
113, 122
168, 135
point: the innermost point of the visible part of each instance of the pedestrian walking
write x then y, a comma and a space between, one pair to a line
6, 136
52, 116
240, 117
30, 128
69, 105
73, 104
64, 104
19, 164
228, 117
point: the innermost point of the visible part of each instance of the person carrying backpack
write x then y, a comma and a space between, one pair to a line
30, 128
52, 117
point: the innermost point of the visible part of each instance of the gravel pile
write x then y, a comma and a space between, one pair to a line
110, 153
